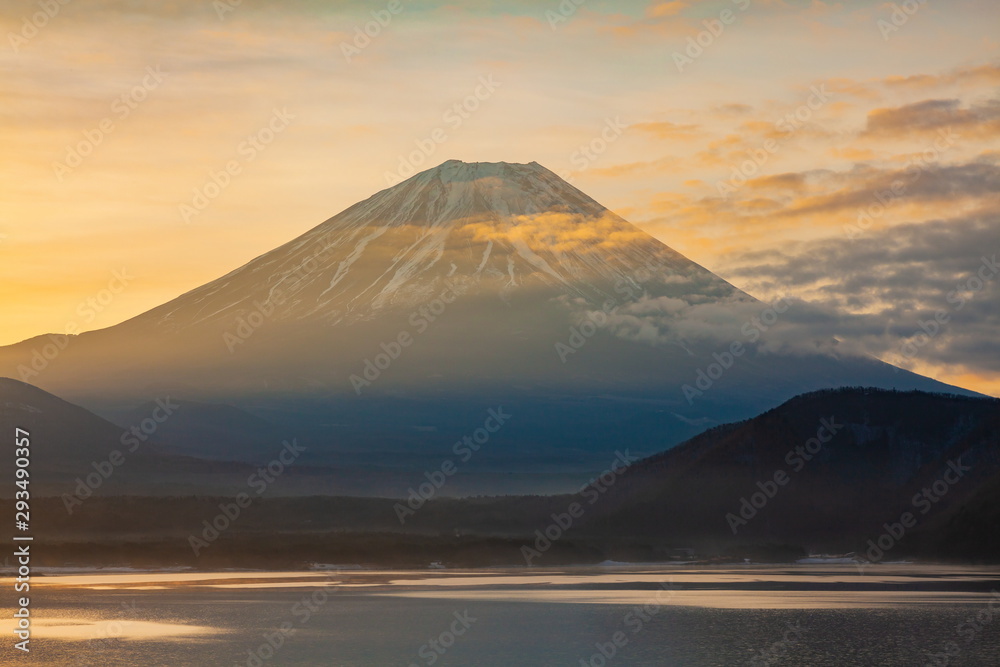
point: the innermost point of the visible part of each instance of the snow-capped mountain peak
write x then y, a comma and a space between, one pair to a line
491, 227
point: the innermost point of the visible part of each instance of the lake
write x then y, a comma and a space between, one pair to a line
885, 614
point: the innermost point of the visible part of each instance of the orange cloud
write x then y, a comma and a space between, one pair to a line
790, 181
859, 89
668, 164
559, 232
933, 115
664, 9
982, 75
667, 130
852, 153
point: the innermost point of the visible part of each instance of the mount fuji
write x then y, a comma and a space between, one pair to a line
383, 338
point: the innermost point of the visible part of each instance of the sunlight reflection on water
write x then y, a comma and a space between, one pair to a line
697, 615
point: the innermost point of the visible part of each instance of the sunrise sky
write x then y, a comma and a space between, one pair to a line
117, 113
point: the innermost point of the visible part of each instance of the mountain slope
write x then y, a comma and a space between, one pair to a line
490, 228
887, 447
70, 444
881, 449
383, 335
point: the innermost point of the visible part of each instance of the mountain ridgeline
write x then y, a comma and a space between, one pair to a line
819, 470
830, 471
386, 334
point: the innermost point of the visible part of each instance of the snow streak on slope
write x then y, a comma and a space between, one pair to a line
489, 227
